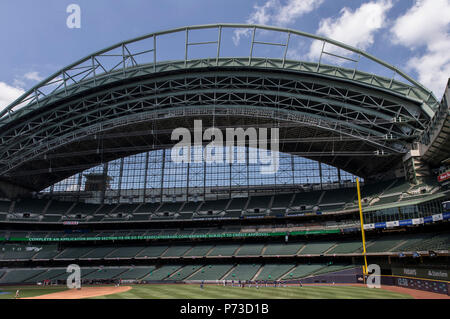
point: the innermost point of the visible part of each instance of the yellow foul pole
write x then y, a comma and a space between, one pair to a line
362, 228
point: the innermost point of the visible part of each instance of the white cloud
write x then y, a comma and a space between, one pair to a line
278, 13
294, 9
355, 28
427, 25
33, 76
8, 94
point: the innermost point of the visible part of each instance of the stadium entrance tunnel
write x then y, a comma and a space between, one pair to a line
355, 121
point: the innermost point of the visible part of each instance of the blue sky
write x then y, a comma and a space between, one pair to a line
36, 42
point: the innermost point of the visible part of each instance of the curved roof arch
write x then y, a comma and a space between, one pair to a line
90, 100
63, 79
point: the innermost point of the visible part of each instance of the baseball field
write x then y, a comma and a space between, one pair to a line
217, 292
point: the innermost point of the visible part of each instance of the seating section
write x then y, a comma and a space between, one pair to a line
211, 272
169, 207
147, 208
47, 252
176, 251
224, 250
4, 206
17, 252
399, 186
191, 207
162, 272
374, 189
412, 242
136, 273
50, 274
329, 200
281, 201
302, 271
84, 209
283, 249
346, 248
58, 207
306, 199
250, 250
243, 272
152, 251
125, 252
316, 248
273, 271
74, 252
98, 253
27, 205
383, 244
104, 273
331, 268
430, 242
198, 251
214, 206
237, 204
388, 200
342, 195
17, 276
184, 272
258, 204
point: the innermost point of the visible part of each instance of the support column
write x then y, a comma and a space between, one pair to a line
105, 178
163, 166
320, 174
119, 192
147, 155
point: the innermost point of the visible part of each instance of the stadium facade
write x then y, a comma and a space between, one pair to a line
86, 174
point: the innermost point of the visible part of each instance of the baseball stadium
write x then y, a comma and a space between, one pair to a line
360, 192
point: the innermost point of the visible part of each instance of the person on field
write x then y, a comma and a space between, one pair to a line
17, 293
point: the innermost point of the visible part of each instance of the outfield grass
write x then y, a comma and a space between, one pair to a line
218, 291
28, 291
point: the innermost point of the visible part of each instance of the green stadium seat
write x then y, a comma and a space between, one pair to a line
282, 249
211, 272
162, 272
152, 251
273, 271
302, 271
250, 250
243, 272
316, 248
125, 252
20, 276
346, 247
176, 251
224, 250
184, 272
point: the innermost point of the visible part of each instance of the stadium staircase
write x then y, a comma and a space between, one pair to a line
195, 272
287, 272
228, 273
264, 249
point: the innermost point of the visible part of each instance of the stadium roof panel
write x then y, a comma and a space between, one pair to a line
115, 90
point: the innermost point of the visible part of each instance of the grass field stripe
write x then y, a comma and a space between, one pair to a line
192, 294
213, 291
219, 291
